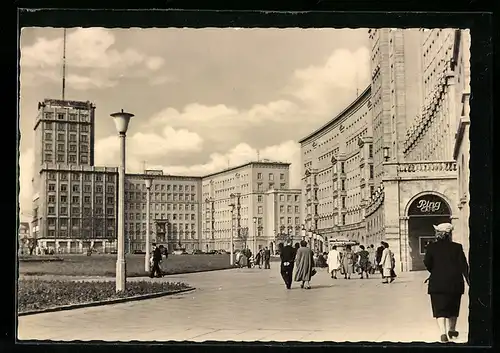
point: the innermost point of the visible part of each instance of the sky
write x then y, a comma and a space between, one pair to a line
203, 99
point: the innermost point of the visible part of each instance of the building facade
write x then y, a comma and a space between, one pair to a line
175, 203
403, 177
282, 208
75, 208
233, 198
338, 174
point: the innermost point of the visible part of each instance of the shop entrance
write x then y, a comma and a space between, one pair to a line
423, 213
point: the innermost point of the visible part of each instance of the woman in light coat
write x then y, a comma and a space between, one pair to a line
386, 263
333, 261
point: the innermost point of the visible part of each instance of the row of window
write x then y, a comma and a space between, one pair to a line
86, 222
76, 188
270, 176
288, 209
63, 210
71, 116
161, 207
172, 226
76, 199
167, 216
61, 136
260, 186
85, 234
76, 176
61, 158
62, 127
61, 147
161, 187
160, 197
289, 221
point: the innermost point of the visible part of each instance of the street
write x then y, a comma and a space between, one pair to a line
254, 305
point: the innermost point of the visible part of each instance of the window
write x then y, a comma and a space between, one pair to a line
72, 158
75, 199
51, 221
52, 210
283, 186
84, 128
371, 172
271, 176
64, 187
297, 209
64, 210
72, 117
47, 125
259, 210
52, 187
342, 167
343, 202
343, 219
343, 185
60, 137
86, 199
60, 126
259, 186
72, 148
297, 220
282, 198
72, 137
60, 116
259, 198
63, 222
48, 136
282, 209
282, 176
259, 176
289, 209
84, 158
48, 156
371, 190
296, 198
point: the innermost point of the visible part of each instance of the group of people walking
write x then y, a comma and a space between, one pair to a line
300, 258
364, 262
262, 257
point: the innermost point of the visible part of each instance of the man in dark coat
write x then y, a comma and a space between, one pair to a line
267, 258
155, 269
287, 256
378, 257
448, 267
249, 255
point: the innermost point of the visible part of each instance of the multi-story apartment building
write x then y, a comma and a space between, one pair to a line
74, 204
461, 69
282, 208
75, 207
175, 201
233, 198
403, 178
338, 173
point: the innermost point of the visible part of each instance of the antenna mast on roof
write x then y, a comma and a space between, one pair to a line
64, 65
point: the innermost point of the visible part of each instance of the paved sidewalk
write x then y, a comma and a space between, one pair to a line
254, 305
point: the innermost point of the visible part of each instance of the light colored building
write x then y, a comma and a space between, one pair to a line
243, 186
24, 235
338, 175
174, 200
461, 153
75, 207
282, 221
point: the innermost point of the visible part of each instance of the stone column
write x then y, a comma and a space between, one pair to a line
104, 246
68, 246
80, 246
391, 219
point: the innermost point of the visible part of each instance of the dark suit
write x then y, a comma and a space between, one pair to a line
267, 259
287, 256
155, 270
447, 264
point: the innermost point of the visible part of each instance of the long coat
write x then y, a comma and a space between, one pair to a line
348, 262
333, 260
446, 262
304, 263
386, 262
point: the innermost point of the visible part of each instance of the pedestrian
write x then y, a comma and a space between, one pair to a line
287, 256
304, 264
387, 264
448, 267
249, 257
348, 262
363, 257
372, 259
155, 269
334, 261
267, 258
378, 257
257, 259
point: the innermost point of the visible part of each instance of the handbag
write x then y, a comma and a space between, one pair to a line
313, 272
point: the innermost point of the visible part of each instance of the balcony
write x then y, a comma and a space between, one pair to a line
362, 182
335, 176
421, 170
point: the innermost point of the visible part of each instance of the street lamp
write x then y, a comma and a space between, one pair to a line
121, 120
255, 235
232, 230
148, 181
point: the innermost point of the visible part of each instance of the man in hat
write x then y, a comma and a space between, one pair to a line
448, 267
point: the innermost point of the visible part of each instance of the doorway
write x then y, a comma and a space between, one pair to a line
424, 212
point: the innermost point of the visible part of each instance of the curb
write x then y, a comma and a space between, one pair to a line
104, 302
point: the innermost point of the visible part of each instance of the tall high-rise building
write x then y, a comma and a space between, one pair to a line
74, 203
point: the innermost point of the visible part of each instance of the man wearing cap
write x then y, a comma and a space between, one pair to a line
448, 267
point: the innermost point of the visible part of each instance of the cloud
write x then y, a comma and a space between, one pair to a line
91, 57
287, 151
313, 95
143, 146
26, 168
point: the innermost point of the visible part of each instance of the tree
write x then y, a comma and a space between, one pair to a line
242, 234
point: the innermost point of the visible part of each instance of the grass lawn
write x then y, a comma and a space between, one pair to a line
36, 294
105, 265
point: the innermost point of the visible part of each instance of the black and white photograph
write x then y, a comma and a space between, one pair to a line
244, 184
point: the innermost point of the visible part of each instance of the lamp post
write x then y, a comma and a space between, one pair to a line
254, 235
148, 181
231, 259
121, 120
